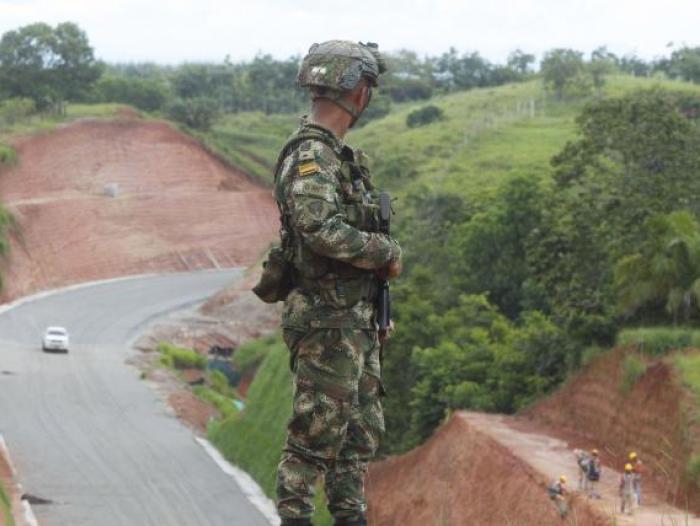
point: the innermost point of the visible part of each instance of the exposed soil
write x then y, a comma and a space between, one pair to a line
460, 477
654, 419
175, 206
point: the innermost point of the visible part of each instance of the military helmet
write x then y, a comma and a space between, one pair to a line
339, 65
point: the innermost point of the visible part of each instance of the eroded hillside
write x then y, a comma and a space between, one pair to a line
174, 206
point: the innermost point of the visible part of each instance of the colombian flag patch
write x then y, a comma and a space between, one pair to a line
309, 168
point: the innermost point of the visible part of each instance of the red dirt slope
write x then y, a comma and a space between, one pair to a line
652, 419
463, 477
177, 208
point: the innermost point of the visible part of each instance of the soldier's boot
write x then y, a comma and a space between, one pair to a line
296, 522
358, 521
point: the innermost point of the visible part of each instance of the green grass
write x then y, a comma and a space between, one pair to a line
633, 368
251, 354
8, 155
224, 405
250, 141
657, 341
180, 358
689, 366
6, 507
44, 122
253, 439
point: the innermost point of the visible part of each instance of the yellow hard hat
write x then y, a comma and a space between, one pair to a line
562, 479
633, 456
628, 468
594, 452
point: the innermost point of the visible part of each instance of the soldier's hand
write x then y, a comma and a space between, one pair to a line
391, 271
385, 335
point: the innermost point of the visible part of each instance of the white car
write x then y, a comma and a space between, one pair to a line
55, 339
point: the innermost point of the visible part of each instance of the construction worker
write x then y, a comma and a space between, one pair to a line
557, 493
638, 469
582, 460
593, 475
627, 494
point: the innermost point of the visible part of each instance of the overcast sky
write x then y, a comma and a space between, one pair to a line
175, 31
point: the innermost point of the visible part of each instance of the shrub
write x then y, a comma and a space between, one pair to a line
180, 358
656, 341
250, 355
633, 368
219, 383
8, 155
198, 113
424, 116
15, 110
223, 404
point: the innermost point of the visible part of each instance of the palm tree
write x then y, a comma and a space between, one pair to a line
665, 270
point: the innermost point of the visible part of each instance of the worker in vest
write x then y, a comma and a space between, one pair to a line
582, 460
558, 493
638, 469
627, 493
593, 473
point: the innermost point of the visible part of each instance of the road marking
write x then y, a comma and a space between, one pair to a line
248, 486
29, 516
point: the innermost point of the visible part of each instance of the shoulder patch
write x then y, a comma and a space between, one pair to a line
309, 168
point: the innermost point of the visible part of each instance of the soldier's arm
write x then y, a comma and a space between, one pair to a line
317, 215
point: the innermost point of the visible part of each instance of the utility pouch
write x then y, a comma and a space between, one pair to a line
276, 281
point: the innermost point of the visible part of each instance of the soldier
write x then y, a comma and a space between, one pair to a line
330, 236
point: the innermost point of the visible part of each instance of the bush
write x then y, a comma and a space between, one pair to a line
250, 355
633, 368
424, 116
15, 110
198, 113
8, 155
180, 358
220, 383
223, 404
658, 341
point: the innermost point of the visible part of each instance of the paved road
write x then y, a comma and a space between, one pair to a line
86, 432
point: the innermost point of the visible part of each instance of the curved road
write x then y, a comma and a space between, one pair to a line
87, 433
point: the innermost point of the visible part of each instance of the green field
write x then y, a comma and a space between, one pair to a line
6, 508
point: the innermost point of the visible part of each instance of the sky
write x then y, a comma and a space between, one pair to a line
176, 31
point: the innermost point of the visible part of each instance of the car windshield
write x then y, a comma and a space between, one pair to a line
56, 332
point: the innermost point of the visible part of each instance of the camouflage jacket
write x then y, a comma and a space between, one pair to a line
329, 232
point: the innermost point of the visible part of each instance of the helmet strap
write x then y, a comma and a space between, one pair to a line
338, 100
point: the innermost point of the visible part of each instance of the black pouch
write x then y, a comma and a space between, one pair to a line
276, 281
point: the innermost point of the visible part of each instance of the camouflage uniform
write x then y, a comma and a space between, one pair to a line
329, 233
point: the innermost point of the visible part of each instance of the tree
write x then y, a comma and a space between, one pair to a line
602, 63
48, 65
562, 70
521, 62
666, 269
685, 63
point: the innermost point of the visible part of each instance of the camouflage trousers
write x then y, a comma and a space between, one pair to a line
336, 424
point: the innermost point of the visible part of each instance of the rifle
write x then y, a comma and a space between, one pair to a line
383, 298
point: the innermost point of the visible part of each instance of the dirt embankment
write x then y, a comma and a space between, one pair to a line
653, 419
175, 206
462, 476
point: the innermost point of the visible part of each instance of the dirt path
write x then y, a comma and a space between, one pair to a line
553, 457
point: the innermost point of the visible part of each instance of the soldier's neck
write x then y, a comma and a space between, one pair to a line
329, 116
